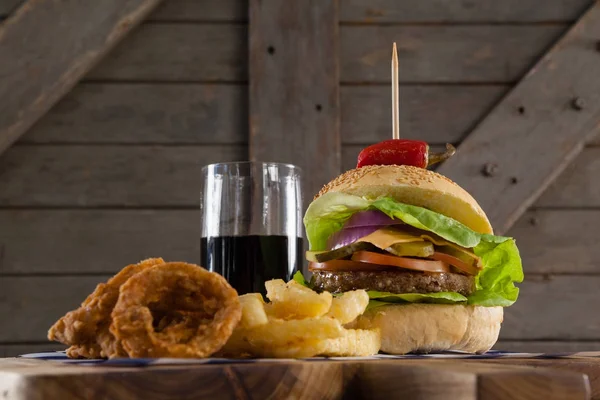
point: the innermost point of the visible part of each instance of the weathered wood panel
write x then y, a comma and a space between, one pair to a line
37, 303
87, 176
530, 147
73, 175
8, 6
294, 87
431, 53
33, 304
13, 350
578, 185
179, 52
553, 308
42, 60
551, 346
201, 11
444, 53
376, 11
436, 114
204, 113
94, 241
559, 241
146, 113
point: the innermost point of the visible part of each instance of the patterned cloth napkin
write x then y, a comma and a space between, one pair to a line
60, 356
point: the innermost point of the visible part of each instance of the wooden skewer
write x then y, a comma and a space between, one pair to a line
395, 95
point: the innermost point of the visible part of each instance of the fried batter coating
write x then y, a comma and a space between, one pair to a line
86, 329
175, 310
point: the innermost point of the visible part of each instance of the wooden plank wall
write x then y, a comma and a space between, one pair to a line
109, 175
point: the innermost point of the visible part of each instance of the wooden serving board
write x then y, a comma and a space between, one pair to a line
24, 379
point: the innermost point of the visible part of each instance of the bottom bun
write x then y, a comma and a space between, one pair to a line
424, 328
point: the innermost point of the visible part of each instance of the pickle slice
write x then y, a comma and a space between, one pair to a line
342, 252
464, 256
412, 249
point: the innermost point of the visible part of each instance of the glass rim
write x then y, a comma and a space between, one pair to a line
291, 167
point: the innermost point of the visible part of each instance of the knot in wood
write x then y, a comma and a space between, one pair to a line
578, 103
534, 221
489, 169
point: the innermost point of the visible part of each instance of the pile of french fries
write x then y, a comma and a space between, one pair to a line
299, 322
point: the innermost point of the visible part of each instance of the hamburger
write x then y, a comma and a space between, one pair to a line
422, 248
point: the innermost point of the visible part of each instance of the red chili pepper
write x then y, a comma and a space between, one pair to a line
402, 152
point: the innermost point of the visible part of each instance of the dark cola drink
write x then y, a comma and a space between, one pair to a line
247, 262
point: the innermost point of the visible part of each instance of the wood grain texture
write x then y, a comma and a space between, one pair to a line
589, 367
78, 175
435, 114
179, 52
548, 346
429, 53
203, 113
378, 11
94, 241
294, 87
545, 304
43, 59
8, 6
559, 241
118, 176
201, 11
578, 185
146, 113
427, 380
32, 303
532, 148
441, 53
390, 11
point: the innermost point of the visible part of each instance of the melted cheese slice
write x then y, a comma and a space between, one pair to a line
386, 237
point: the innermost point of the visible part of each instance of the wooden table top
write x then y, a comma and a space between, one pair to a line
27, 379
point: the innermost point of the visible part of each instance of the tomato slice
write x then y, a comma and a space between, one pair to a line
344, 265
455, 262
402, 262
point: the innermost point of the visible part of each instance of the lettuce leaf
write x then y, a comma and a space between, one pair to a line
439, 297
495, 284
299, 278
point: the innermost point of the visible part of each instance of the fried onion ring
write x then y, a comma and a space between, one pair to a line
175, 310
86, 329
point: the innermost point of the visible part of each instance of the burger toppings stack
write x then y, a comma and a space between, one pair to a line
410, 236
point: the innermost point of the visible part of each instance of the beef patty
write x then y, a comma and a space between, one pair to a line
393, 281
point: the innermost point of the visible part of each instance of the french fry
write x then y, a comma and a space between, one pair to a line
294, 301
253, 310
263, 340
300, 323
348, 306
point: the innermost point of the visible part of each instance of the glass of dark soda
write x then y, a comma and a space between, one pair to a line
251, 222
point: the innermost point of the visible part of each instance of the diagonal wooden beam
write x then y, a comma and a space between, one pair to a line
48, 45
8, 6
537, 129
294, 87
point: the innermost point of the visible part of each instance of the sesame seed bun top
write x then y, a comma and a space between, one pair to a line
415, 186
